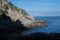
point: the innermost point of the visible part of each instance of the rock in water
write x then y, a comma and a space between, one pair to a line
18, 14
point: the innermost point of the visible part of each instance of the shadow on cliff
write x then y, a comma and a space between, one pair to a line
9, 29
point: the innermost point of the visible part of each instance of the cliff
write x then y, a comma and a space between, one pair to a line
16, 13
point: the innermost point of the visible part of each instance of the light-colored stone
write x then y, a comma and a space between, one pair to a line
20, 14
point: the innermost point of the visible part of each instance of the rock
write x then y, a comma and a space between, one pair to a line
7, 23
54, 36
19, 14
40, 36
34, 36
9, 28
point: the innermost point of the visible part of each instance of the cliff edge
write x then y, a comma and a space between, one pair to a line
16, 13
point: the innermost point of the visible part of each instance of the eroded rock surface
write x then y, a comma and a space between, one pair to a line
19, 14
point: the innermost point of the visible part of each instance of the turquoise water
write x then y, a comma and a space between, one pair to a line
53, 25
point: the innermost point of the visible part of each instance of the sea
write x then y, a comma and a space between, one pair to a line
53, 25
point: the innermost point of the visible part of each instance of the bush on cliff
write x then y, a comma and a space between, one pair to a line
2, 12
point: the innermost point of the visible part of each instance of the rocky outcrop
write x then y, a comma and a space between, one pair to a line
19, 14
7, 25
40, 36
9, 29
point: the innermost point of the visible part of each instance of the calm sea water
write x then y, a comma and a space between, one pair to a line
53, 26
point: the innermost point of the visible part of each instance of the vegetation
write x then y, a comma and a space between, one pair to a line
6, 7
24, 12
0, 2
2, 12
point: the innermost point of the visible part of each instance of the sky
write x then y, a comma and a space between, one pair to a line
39, 7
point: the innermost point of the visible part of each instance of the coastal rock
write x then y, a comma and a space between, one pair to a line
34, 36
19, 14
40, 36
9, 29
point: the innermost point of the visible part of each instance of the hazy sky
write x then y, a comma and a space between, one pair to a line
39, 7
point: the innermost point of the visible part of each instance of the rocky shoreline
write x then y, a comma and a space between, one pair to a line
40, 36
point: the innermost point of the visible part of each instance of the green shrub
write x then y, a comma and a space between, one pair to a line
0, 2
2, 12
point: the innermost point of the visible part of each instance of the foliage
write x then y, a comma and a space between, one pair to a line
0, 2
24, 12
6, 7
2, 12
10, 3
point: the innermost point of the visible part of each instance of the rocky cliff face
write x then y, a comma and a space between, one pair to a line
16, 13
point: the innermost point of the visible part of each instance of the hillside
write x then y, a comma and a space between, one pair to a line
16, 13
